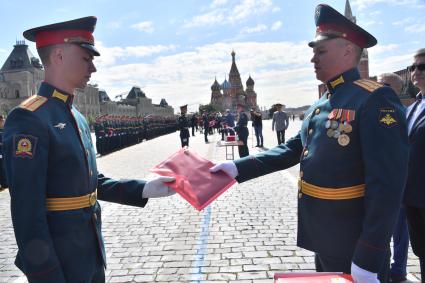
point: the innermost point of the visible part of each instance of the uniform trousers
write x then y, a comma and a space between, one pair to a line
401, 247
325, 263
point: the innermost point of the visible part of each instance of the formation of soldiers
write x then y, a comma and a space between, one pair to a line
116, 132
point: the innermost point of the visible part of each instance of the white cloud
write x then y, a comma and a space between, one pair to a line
3, 50
382, 49
364, 4
217, 3
389, 64
231, 14
276, 25
257, 28
416, 28
281, 71
113, 25
110, 55
144, 26
403, 22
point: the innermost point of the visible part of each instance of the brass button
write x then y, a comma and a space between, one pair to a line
91, 173
95, 216
310, 131
301, 174
87, 152
317, 111
306, 152
300, 195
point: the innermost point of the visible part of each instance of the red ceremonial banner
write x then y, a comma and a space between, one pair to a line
194, 182
313, 277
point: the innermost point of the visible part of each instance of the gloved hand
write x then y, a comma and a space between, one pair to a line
227, 166
361, 275
156, 188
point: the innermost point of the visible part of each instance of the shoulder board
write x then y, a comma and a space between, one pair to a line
33, 102
368, 85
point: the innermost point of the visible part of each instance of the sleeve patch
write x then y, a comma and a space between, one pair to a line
387, 118
24, 146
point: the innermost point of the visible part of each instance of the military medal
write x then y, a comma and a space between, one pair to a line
330, 133
328, 124
343, 140
334, 124
336, 134
348, 128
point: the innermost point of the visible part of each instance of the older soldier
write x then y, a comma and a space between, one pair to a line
184, 126
51, 166
352, 150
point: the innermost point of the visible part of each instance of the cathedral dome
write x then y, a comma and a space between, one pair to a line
215, 86
225, 84
249, 81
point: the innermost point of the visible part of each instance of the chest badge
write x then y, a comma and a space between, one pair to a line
60, 126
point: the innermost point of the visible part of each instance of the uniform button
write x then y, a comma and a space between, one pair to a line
301, 174
91, 172
306, 152
310, 131
95, 216
87, 152
317, 111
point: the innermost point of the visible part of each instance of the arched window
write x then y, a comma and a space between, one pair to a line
17, 93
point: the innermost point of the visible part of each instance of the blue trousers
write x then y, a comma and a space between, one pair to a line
259, 135
401, 246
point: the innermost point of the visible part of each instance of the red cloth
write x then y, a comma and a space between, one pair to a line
313, 277
194, 182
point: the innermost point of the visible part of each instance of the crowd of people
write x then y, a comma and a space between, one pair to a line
360, 153
117, 132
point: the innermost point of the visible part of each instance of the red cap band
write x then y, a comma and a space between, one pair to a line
346, 33
45, 38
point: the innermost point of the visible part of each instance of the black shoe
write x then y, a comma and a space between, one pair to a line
257, 145
398, 279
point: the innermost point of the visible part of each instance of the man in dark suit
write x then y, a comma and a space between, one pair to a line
51, 166
414, 198
353, 152
242, 130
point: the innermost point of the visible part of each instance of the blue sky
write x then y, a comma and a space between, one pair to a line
175, 49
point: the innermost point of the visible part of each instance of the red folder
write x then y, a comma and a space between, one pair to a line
194, 182
313, 277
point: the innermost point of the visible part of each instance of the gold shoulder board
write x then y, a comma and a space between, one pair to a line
368, 85
32, 103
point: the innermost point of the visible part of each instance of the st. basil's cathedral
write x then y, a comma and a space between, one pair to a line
231, 92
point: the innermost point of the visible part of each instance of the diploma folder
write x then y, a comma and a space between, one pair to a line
312, 277
194, 182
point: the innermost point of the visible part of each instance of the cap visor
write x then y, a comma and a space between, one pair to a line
91, 48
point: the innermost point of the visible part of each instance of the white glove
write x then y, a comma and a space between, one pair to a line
156, 188
361, 275
228, 167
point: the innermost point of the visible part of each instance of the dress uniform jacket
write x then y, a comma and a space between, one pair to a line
49, 154
184, 129
350, 187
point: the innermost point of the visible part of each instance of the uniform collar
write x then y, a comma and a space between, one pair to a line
346, 77
47, 90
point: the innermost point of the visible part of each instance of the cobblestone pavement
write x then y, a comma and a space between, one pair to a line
246, 235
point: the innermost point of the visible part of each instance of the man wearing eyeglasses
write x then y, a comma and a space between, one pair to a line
414, 197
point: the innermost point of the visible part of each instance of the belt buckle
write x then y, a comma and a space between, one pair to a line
93, 198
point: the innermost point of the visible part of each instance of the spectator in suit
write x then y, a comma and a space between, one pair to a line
398, 270
280, 123
414, 197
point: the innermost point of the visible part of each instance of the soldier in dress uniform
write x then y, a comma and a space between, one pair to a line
352, 150
242, 130
184, 126
51, 166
